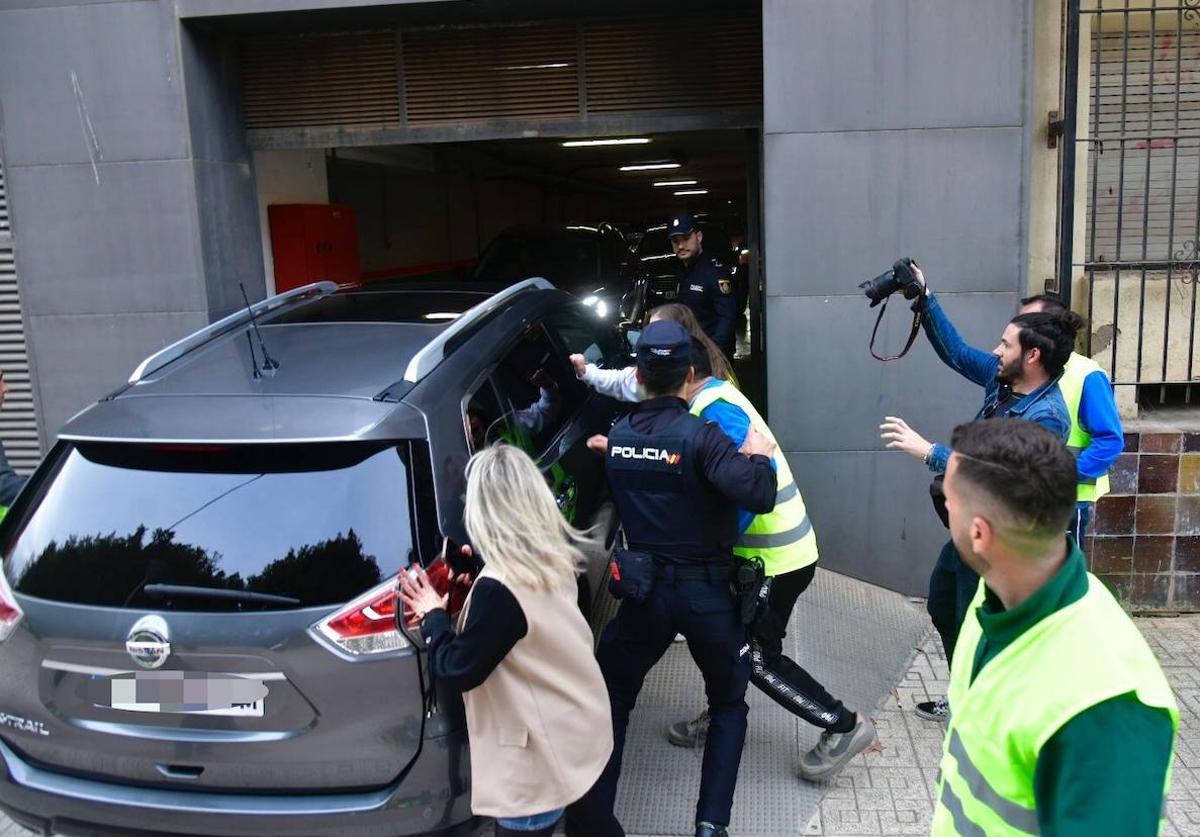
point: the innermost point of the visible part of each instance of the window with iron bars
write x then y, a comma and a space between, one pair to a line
1141, 84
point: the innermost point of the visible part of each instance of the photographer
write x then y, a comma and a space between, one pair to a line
1019, 378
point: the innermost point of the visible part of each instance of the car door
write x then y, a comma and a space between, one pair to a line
551, 414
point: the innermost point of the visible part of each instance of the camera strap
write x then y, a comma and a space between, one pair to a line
918, 312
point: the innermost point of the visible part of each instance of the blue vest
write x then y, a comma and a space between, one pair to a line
666, 506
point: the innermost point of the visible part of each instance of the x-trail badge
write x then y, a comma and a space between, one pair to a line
148, 642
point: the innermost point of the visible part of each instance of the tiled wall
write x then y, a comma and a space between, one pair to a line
1145, 538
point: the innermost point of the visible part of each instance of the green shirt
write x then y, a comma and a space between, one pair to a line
1115, 752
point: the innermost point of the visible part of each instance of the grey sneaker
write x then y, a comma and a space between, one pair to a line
834, 749
934, 710
689, 733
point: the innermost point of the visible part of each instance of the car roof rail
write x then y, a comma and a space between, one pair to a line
178, 349
426, 360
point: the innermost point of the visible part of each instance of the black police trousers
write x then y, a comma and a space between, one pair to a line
703, 610
775, 674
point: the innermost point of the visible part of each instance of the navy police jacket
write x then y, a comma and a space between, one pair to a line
707, 290
678, 482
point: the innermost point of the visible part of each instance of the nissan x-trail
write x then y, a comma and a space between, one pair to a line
197, 623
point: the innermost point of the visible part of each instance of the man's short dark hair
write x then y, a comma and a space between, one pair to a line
1052, 334
663, 380
1022, 467
1051, 303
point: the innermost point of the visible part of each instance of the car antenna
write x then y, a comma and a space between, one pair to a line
269, 364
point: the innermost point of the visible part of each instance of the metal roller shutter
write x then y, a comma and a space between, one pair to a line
18, 422
1151, 127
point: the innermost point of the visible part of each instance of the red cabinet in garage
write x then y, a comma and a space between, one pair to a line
311, 242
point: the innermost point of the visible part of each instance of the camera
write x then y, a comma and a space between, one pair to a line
900, 275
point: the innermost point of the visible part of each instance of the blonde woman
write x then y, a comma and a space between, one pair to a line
538, 715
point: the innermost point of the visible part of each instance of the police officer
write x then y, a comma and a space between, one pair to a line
677, 482
704, 287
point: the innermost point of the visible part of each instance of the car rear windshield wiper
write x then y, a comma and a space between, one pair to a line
166, 591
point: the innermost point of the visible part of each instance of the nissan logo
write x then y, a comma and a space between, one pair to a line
148, 642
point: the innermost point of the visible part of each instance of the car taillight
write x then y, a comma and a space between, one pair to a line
10, 611
366, 625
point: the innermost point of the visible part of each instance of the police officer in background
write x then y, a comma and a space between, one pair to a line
704, 287
678, 482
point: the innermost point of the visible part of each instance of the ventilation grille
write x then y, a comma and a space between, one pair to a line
5, 229
669, 64
495, 72
347, 78
530, 71
18, 422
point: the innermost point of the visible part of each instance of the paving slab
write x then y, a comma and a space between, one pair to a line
875, 650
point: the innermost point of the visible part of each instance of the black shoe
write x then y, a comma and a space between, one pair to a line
707, 829
934, 710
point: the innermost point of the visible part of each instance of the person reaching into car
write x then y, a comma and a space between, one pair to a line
538, 716
622, 384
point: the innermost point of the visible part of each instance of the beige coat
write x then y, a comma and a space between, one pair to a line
540, 725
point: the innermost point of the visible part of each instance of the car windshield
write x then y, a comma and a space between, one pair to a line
569, 259
306, 524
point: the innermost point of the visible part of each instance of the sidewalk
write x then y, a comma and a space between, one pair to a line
856, 638
891, 793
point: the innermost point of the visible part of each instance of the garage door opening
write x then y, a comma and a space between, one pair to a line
589, 214
590, 217
441, 126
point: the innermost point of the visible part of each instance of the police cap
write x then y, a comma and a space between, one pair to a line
664, 346
683, 224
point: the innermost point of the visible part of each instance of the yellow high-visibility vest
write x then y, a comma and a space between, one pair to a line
1070, 661
1071, 385
783, 537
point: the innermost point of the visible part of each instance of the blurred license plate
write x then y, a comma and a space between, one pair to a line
183, 693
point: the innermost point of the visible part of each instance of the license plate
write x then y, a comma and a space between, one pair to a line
184, 693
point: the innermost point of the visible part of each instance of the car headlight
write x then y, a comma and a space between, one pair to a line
598, 305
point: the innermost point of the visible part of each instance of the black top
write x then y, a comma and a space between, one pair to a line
494, 624
678, 482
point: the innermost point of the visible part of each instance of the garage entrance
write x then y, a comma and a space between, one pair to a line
462, 144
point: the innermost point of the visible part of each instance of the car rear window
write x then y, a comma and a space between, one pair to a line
300, 525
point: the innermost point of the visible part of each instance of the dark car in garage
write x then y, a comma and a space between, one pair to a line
588, 260
197, 617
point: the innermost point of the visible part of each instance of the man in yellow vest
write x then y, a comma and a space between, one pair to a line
785, 541
1061, 721
1097, 438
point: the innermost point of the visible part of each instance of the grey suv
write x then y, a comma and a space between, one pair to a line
197, 627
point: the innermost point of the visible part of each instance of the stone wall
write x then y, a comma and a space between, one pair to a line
1145, 541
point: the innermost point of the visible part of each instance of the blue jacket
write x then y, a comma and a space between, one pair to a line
1044, 405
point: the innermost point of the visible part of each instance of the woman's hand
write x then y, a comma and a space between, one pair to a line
418, 594
899, 436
